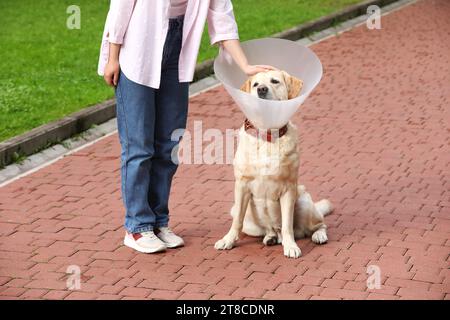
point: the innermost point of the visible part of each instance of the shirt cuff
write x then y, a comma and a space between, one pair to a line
115, 39
221, 37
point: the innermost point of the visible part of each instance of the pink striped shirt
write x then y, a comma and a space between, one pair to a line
140, 26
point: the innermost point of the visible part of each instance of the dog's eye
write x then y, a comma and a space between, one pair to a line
274, 81
255, 84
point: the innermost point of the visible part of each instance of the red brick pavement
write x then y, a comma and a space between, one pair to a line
374, 139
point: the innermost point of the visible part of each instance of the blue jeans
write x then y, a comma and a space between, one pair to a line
146, 118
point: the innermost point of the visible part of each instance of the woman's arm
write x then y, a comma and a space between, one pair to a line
118, 18
223, 29
234, 48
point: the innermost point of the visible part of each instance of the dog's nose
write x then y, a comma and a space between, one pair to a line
262, 91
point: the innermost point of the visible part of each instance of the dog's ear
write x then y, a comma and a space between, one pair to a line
247, 86
294, 85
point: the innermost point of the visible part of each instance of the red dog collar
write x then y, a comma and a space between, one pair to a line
267, 135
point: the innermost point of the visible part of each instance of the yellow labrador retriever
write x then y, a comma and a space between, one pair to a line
268, 201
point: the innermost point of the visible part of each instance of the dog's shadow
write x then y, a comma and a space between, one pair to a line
254, 245
246, 245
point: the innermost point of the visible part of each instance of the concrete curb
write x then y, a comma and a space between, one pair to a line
57, 131
54, 132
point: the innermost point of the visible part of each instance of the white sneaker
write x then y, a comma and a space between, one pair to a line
170, 239
146, 242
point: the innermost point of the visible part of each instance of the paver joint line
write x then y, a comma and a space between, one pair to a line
378, 151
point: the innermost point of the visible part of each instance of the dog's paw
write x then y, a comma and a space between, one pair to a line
270, 240
224, 244
292, 250
319, 237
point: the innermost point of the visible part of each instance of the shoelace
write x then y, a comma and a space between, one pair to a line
149, 234
166, 230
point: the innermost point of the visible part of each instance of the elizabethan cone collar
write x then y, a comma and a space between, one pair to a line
297, 60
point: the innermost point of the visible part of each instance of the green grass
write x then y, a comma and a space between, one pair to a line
48, 71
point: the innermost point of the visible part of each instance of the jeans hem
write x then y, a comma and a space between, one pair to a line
139, 230
161, 225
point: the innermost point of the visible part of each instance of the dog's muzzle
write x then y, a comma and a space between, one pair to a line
267, 135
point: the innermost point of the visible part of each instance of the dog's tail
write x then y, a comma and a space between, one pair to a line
324, 207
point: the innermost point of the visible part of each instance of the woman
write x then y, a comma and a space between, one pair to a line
148, 53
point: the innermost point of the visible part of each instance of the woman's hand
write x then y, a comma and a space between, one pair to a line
251, 70
112, 68
111, 74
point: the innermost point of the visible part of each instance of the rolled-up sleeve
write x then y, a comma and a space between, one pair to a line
119, 16
221, 22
